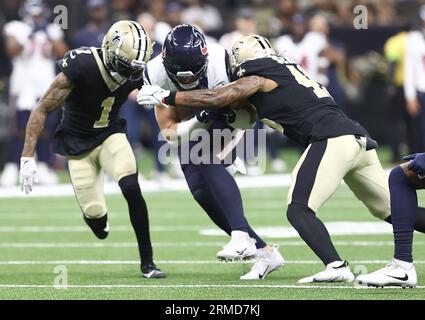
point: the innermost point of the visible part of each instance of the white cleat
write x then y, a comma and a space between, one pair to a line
268, 259
396, 273
337, 271
240, 247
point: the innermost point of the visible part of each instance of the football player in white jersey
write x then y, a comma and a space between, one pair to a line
187, 63
33, 45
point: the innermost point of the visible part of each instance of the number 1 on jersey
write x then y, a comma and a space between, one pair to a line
302, 79
104, 118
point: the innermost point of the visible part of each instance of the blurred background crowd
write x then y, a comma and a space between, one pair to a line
362, 68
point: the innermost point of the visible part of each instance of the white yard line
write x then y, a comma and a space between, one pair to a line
52, 229
273, 180
76, 245
176, 262
192, 286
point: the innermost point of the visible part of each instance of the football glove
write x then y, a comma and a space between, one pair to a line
225, 115
152, 95
417, 163
28, 174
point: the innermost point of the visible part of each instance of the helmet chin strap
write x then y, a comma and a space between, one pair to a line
190, 86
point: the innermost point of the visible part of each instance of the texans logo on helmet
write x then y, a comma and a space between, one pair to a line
204, 50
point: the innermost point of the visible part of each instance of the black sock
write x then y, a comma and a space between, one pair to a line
313, 232
138, 215
404, 203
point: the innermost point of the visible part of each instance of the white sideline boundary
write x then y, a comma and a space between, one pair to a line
61, 190
171, 262
192, 286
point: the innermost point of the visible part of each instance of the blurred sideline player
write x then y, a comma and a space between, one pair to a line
187, 62
407, 178
338, 148
93, 84
305, 48
33, 45
414, 77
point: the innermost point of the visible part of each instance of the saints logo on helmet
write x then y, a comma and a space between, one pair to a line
126, 49
249, 48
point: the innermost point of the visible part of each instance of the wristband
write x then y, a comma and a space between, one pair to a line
171, 99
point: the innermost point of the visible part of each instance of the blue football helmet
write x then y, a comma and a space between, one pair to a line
185, 56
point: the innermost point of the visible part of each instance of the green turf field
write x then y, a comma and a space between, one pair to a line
38, 234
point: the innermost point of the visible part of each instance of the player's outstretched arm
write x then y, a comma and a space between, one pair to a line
217, 98
52, 100
221, 97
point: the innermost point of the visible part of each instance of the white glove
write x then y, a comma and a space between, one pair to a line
152, 95
28, 174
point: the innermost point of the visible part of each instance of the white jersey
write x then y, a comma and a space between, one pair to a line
217, 76
306, 53
414, 67
34, 68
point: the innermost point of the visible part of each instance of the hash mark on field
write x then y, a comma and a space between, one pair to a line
191, 286
130, 262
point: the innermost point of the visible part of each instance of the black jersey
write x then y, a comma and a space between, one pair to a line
299, 107
91, 111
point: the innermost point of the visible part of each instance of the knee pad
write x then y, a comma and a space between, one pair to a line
94, 210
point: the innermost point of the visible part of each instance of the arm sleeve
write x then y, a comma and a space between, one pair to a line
409, 70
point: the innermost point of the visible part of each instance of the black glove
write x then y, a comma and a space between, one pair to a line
226, 115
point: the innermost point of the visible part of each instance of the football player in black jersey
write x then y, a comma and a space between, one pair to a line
337, 148
92, 86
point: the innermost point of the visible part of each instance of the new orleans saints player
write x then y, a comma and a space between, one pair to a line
93, 84
337, 147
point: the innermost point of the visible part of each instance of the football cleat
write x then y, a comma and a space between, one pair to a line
337, 271
240, 247
151, 271
100, 226
268, 259
395, 273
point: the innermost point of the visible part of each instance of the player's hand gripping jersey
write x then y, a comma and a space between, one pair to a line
299, 107
91, 111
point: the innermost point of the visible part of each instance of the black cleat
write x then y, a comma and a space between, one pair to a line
151, 271
100, 226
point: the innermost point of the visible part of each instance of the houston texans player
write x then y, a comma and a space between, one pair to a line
187, 62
